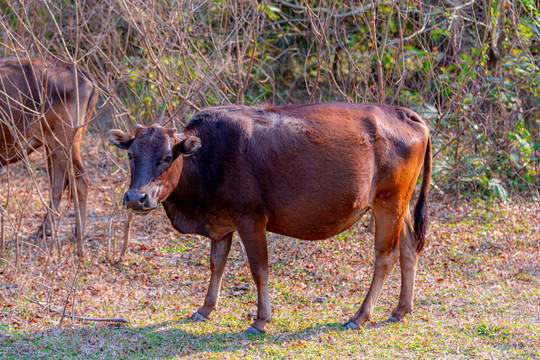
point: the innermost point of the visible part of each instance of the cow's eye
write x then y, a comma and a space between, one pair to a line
167, 159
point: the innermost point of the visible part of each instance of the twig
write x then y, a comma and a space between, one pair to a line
127, 228
2, 240
331, 13
84, 318
171, 80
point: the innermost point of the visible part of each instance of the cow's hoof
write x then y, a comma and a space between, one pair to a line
392, 319
254, 331
349, 325
197, 316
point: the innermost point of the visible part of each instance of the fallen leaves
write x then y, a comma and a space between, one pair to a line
313, 285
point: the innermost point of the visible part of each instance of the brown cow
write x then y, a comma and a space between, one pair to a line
47, 102
308, 171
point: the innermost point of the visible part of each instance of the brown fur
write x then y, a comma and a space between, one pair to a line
306, 171
45, 102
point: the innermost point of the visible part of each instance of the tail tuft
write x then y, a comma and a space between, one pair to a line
421, 208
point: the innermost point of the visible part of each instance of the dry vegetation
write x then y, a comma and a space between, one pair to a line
471, 68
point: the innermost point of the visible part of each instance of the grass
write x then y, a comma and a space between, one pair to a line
477, 292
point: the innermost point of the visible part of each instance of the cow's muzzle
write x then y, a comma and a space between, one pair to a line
138, 201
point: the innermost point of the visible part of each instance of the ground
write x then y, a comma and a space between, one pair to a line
477, 291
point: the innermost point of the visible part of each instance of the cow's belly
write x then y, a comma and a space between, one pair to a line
12, 150
318, 191
318, 219
320, 198
307, 229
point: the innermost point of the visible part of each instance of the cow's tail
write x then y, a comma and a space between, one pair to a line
421, 208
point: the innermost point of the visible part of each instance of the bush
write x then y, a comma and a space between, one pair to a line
470, 69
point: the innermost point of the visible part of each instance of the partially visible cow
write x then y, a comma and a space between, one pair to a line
48, 102
307, 171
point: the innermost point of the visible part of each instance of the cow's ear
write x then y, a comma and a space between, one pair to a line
186, 146
120, 138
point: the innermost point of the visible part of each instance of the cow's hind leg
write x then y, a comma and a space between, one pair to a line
252, 233
408, 257
218, 259
387, 228
81, 186
58, 181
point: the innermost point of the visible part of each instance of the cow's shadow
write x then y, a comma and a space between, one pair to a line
163, 340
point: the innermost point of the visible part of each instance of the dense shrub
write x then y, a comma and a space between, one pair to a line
470, 68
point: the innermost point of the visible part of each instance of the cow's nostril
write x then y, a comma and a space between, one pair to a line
126, 198
142, 199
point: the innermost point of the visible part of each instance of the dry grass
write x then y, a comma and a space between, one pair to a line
477, 291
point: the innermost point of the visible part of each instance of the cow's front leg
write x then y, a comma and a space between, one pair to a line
252, 233
218, 259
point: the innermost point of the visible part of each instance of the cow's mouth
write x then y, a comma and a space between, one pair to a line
143, 211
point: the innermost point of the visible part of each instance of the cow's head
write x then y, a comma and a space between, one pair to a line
155, 159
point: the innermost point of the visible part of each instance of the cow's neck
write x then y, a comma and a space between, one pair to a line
188, 206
